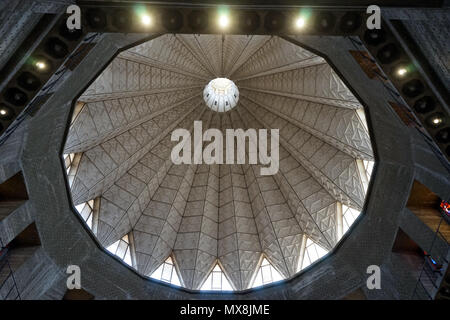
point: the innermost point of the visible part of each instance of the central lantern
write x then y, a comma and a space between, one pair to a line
221, 94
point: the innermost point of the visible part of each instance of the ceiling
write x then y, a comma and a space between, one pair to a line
230, 213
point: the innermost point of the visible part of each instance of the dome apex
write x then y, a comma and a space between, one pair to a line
221, 94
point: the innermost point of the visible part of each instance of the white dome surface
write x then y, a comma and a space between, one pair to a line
146, 209
221, 94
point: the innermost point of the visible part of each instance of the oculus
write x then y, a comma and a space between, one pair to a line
221, 94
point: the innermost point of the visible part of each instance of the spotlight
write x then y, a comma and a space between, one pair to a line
325, 21
6, 113
198, 20
172, 20
435, 120
443, 135
249, 21
402, 71
350, 22
71, 35
16, 96
300, 22
375, 37
223, 21
121, 19
413, 88
146, 20
388, 54
274, 21
28, 81
40, 65
96, 18
56, 48
424, 105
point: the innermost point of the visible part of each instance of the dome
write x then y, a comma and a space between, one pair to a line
206, 221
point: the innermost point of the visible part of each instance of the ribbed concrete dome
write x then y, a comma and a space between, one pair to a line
198, 214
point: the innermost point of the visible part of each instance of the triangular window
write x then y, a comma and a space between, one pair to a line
349, 216
71, 162
312, 253
167, 273
266, 274
217, 281
368, 167
86, 211
121, 248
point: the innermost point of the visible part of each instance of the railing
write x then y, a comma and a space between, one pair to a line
431, 271
8, 285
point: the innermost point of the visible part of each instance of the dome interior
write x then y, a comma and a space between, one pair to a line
218, 223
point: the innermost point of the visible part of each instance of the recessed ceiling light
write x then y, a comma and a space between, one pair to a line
402, 71
3, 112
146, 20
436, 121
300, 22
41, 65
224, 21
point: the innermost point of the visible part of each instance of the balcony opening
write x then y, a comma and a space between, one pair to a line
427, 206
420, 263
13, 194
13, 256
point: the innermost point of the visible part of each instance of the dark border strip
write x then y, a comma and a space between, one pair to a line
267, 3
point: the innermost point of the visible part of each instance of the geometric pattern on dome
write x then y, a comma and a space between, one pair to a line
202, 215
